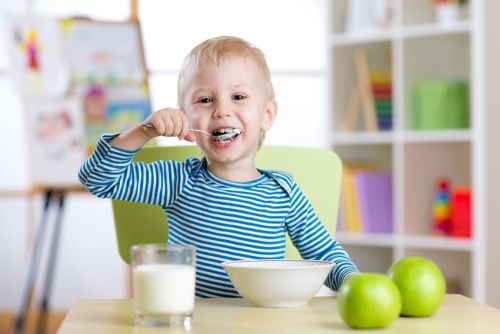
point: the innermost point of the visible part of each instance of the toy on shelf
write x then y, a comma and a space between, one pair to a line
449, 11
382, 93
361, 95
372, 93
452, 210
441, 212
461, 212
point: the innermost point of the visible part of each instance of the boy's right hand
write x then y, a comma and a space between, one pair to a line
169, 122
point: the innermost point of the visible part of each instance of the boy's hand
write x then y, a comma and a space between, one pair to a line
169, 122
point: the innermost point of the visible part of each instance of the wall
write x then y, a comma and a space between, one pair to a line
492, 11
88, 265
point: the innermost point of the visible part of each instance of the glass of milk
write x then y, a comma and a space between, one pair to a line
163, 284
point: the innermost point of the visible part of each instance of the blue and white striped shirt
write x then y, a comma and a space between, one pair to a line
225, 220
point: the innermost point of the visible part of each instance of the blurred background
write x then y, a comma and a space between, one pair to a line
402, 90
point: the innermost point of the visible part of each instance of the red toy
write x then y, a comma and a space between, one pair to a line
461, 217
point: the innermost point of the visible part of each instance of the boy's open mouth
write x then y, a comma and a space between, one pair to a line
226, 135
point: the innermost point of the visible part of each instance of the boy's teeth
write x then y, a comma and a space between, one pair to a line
226, 130
225, 135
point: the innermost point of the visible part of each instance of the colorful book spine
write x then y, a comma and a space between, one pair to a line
366, 202
382, 94
350, 210
374, 189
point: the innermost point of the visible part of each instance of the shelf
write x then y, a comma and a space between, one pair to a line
375, 36
415, 49
362, 138
416, 31
411, 136
429, 136
436, 29
364, 239
409, 241
437, 242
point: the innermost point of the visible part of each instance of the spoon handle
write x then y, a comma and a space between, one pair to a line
201, 131
193, 130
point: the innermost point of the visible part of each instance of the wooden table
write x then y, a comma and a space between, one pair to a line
458, 314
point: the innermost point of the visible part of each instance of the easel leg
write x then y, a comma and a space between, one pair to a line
51, 267
28, 283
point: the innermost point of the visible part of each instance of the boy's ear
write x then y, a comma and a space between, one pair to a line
270, 115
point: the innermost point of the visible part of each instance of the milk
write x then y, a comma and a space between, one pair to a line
164, 288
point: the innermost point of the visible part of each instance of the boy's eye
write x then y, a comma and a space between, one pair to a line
205, 99
239, 97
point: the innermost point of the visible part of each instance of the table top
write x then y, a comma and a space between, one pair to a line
457, 314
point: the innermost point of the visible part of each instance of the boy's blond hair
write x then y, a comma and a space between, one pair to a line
217, 49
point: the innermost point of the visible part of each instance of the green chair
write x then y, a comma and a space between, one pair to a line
317, 171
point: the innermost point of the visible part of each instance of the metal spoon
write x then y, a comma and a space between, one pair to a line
220, 137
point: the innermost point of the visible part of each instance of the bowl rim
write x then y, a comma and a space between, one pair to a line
318, 264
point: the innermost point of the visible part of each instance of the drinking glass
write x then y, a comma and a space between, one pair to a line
163, 284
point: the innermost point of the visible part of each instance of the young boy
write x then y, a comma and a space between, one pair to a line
222, 204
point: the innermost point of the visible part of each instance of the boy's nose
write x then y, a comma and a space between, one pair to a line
222, 111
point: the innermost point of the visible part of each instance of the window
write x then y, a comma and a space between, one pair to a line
292, 34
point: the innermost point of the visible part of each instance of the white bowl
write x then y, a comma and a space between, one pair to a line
277, 283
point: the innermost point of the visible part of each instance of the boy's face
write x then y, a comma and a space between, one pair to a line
226, 96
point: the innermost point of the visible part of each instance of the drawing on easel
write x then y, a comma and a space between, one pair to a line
103, 53
36, 61
80, 79
107, 70
112, 109
56, 139
123, 114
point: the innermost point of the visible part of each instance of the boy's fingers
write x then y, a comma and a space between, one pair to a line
190, 137
159, 127
185, 127
183, 124
169, 125
176, 125
168, 122
150, 128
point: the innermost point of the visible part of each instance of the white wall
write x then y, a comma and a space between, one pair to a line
88, 264
13, 249
493, 151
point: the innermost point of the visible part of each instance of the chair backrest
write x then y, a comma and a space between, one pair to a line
317, 171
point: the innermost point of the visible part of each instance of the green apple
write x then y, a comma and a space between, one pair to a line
421, 284
369, 301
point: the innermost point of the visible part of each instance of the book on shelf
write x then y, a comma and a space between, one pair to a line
374, 189
372, 92
382, 95
366, 200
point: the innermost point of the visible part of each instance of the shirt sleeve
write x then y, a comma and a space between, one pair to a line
314, 242
109, 172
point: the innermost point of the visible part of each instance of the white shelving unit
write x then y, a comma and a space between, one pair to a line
420, 49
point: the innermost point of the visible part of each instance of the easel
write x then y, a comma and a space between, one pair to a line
361, 93
51, 198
